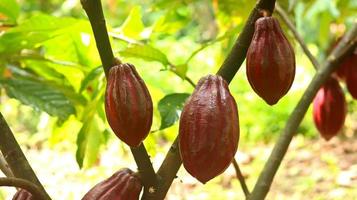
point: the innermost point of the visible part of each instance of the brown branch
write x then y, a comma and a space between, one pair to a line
4, 167
172, 162
24, 184
265, 179
15, 157
145, 169
95, 14
297, 36
241, 178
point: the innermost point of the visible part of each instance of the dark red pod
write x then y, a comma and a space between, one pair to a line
329, 109
128, 104
209, 129
23, 195
122, 185
270, 61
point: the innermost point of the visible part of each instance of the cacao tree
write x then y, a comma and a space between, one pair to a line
113, 95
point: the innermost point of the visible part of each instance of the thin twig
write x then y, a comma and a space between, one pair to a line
297, 36
15, 157
24, 184
348, 43
241, 178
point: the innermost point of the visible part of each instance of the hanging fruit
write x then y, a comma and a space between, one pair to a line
329, 109
128, 104
122, 185
270, 61
209, 129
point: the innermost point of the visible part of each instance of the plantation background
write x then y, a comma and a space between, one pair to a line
52, 88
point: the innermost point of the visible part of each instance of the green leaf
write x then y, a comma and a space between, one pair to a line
34, 31
89, 139
40, 96
133, 25
169, 108
145, 52
90, 77
10, 8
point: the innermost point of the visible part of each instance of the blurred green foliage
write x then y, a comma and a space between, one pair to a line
49, 61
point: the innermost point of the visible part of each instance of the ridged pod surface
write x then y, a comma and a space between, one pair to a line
329, 109
209, 129
128, 104
270, 61
22, 195
123, 185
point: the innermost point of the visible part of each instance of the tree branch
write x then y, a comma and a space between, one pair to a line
146, 171
241, 179
292, 28
265, 179
95, 14
15, 157
24, 184
4, 167
172, 162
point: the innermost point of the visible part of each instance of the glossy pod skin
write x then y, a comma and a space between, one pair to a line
23, 195
128, 104
123, 185
209, 129
270, 61
329, 109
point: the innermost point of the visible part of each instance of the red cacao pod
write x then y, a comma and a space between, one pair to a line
128, 104
329, 109
270, 61
209, 129
122, 185
22, 195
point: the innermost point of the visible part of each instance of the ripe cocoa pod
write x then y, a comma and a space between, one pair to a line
209, 129
329, 109
270, 61
22, 194
128, 104
122, 185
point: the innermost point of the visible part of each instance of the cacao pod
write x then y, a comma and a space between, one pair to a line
329, 109
22, 194
209, 129
122, 185
270, 61
128, 104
